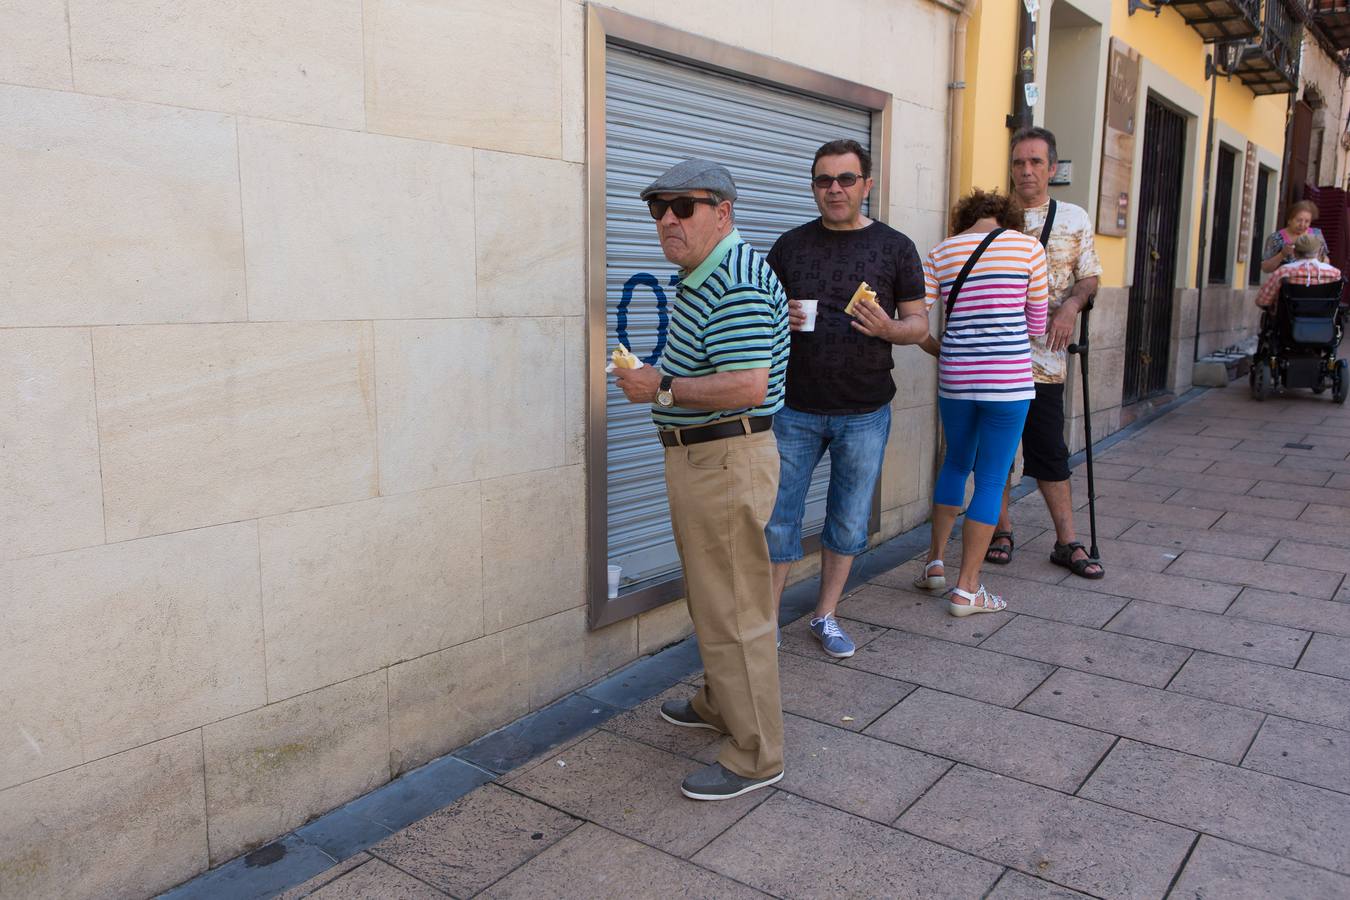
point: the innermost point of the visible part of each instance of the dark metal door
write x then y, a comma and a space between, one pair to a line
1149, 330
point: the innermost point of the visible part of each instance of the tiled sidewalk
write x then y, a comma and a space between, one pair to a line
1179, 728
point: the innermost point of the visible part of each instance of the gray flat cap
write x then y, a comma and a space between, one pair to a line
693, 175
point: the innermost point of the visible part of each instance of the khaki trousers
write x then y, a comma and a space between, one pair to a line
721, 495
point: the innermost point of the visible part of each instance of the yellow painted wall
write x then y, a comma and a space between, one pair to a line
1167, 41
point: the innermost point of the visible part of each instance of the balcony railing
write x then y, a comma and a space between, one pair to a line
1269, 65
1221, 20
1332, 18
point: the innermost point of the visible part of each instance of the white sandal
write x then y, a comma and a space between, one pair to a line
980, 602
926, 582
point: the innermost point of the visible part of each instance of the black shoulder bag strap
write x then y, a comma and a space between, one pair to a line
1049, 223
965, 270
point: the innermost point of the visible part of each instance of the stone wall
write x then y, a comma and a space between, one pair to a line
292, 333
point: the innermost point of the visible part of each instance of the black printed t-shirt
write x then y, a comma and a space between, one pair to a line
837, 370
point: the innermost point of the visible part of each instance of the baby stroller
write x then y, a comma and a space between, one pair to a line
1297, 346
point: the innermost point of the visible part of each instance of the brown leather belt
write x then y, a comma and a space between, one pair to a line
697, 434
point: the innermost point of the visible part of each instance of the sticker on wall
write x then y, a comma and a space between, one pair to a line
1033, 6
1063, 172
1032, 92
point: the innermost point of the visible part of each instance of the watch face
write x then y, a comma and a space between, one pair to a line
665, 398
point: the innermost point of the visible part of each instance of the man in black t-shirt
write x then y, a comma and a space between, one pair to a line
839, 384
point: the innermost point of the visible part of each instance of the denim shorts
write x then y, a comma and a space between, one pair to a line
857, 446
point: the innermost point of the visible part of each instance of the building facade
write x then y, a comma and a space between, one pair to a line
308, 470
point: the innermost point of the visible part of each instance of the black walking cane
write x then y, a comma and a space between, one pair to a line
1081, 348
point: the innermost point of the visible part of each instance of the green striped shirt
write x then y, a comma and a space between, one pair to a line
730, 313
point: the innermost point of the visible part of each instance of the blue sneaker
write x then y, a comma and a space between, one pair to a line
832, 638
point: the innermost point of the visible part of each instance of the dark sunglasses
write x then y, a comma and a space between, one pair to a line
845, 179
683, 207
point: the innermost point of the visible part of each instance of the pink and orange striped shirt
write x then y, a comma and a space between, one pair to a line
986, 351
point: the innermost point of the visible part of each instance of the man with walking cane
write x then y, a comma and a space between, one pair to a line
1066, 231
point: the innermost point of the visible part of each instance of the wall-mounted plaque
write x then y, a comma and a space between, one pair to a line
1122, 94
1244, 247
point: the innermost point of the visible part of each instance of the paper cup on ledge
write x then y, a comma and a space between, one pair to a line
614, 573
809, 307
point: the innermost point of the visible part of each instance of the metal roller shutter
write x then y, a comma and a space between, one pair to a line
658, 112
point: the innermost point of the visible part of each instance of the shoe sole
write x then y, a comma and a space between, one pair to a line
961, 610
931, 583
745, 790
686, 724
831, 652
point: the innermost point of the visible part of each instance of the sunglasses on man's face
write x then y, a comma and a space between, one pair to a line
683, 207
845, 179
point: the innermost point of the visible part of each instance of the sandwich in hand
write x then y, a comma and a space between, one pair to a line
863, 293
624, 358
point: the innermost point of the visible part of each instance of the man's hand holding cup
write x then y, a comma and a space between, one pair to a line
802, 315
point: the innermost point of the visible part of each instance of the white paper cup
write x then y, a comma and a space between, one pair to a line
614, 572
809, 307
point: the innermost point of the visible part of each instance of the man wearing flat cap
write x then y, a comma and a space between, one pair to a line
713, 398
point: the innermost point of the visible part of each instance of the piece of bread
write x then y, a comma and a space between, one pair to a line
624, 358
862, 293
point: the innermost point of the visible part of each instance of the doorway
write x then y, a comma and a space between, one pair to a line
1148, 331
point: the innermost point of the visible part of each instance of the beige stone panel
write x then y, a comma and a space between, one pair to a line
915, 375
575, 387
747, 23
663, 626
901, 474
534, 546
274, 768
129, 825
1106, 366
343, 225
49, 480
215, 423
444, 700
1109, 318
564, 655
36, 50
531, 237
479, 73
573, 81
300, 60
157, 237
115, 646
919, 158
468, 399
352, 588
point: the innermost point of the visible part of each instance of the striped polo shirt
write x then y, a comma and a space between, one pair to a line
986, 351
729, 313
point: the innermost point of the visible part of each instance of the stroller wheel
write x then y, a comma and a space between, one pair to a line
1261, 381
1340, 382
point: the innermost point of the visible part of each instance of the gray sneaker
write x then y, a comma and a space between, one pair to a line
717, 782
681, 712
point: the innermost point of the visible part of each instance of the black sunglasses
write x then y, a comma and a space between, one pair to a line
845, 179
683, 207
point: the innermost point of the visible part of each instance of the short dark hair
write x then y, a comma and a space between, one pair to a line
1005, 209
839, 148
1033, 133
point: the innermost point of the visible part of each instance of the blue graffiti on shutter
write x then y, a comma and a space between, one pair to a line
662, 319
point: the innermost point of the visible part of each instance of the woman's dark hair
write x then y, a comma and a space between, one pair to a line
1005, 209
1301, 206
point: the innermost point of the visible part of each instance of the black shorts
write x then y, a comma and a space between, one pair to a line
1045, 456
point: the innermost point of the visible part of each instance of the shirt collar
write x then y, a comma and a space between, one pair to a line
695, 278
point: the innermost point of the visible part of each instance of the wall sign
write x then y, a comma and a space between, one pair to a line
1248, 201
1122, 94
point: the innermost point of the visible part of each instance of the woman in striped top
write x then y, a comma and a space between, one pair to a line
984, 377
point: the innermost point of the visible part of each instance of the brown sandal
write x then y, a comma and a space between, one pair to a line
1063, 556
1005, 553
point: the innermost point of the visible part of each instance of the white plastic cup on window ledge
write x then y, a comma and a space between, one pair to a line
614, 573
809, 308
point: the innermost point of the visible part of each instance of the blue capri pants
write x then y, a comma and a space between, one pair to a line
981, 435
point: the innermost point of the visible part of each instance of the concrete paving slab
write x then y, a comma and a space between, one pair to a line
1311, 556
1281, 474
1256, 458
1260, 509
1330, 496
1066, 840
1170, 513
306, 888
1255, 573
1058, 602
1016, 886
1089, 650
1173, 590
1310, 613
635, 790
798, 639
1306, 532
1231, 636
1125, 490
849, 856
1251, 808
1222, 869
1305, 696
1123, 555
644, 723
1035, 749
598, 864
919, 613
1327, 655
376, 879
1326, 514
1189, 724
955, 668
836, 695
1195, 481
1175, 539
858, 774
1298, 751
